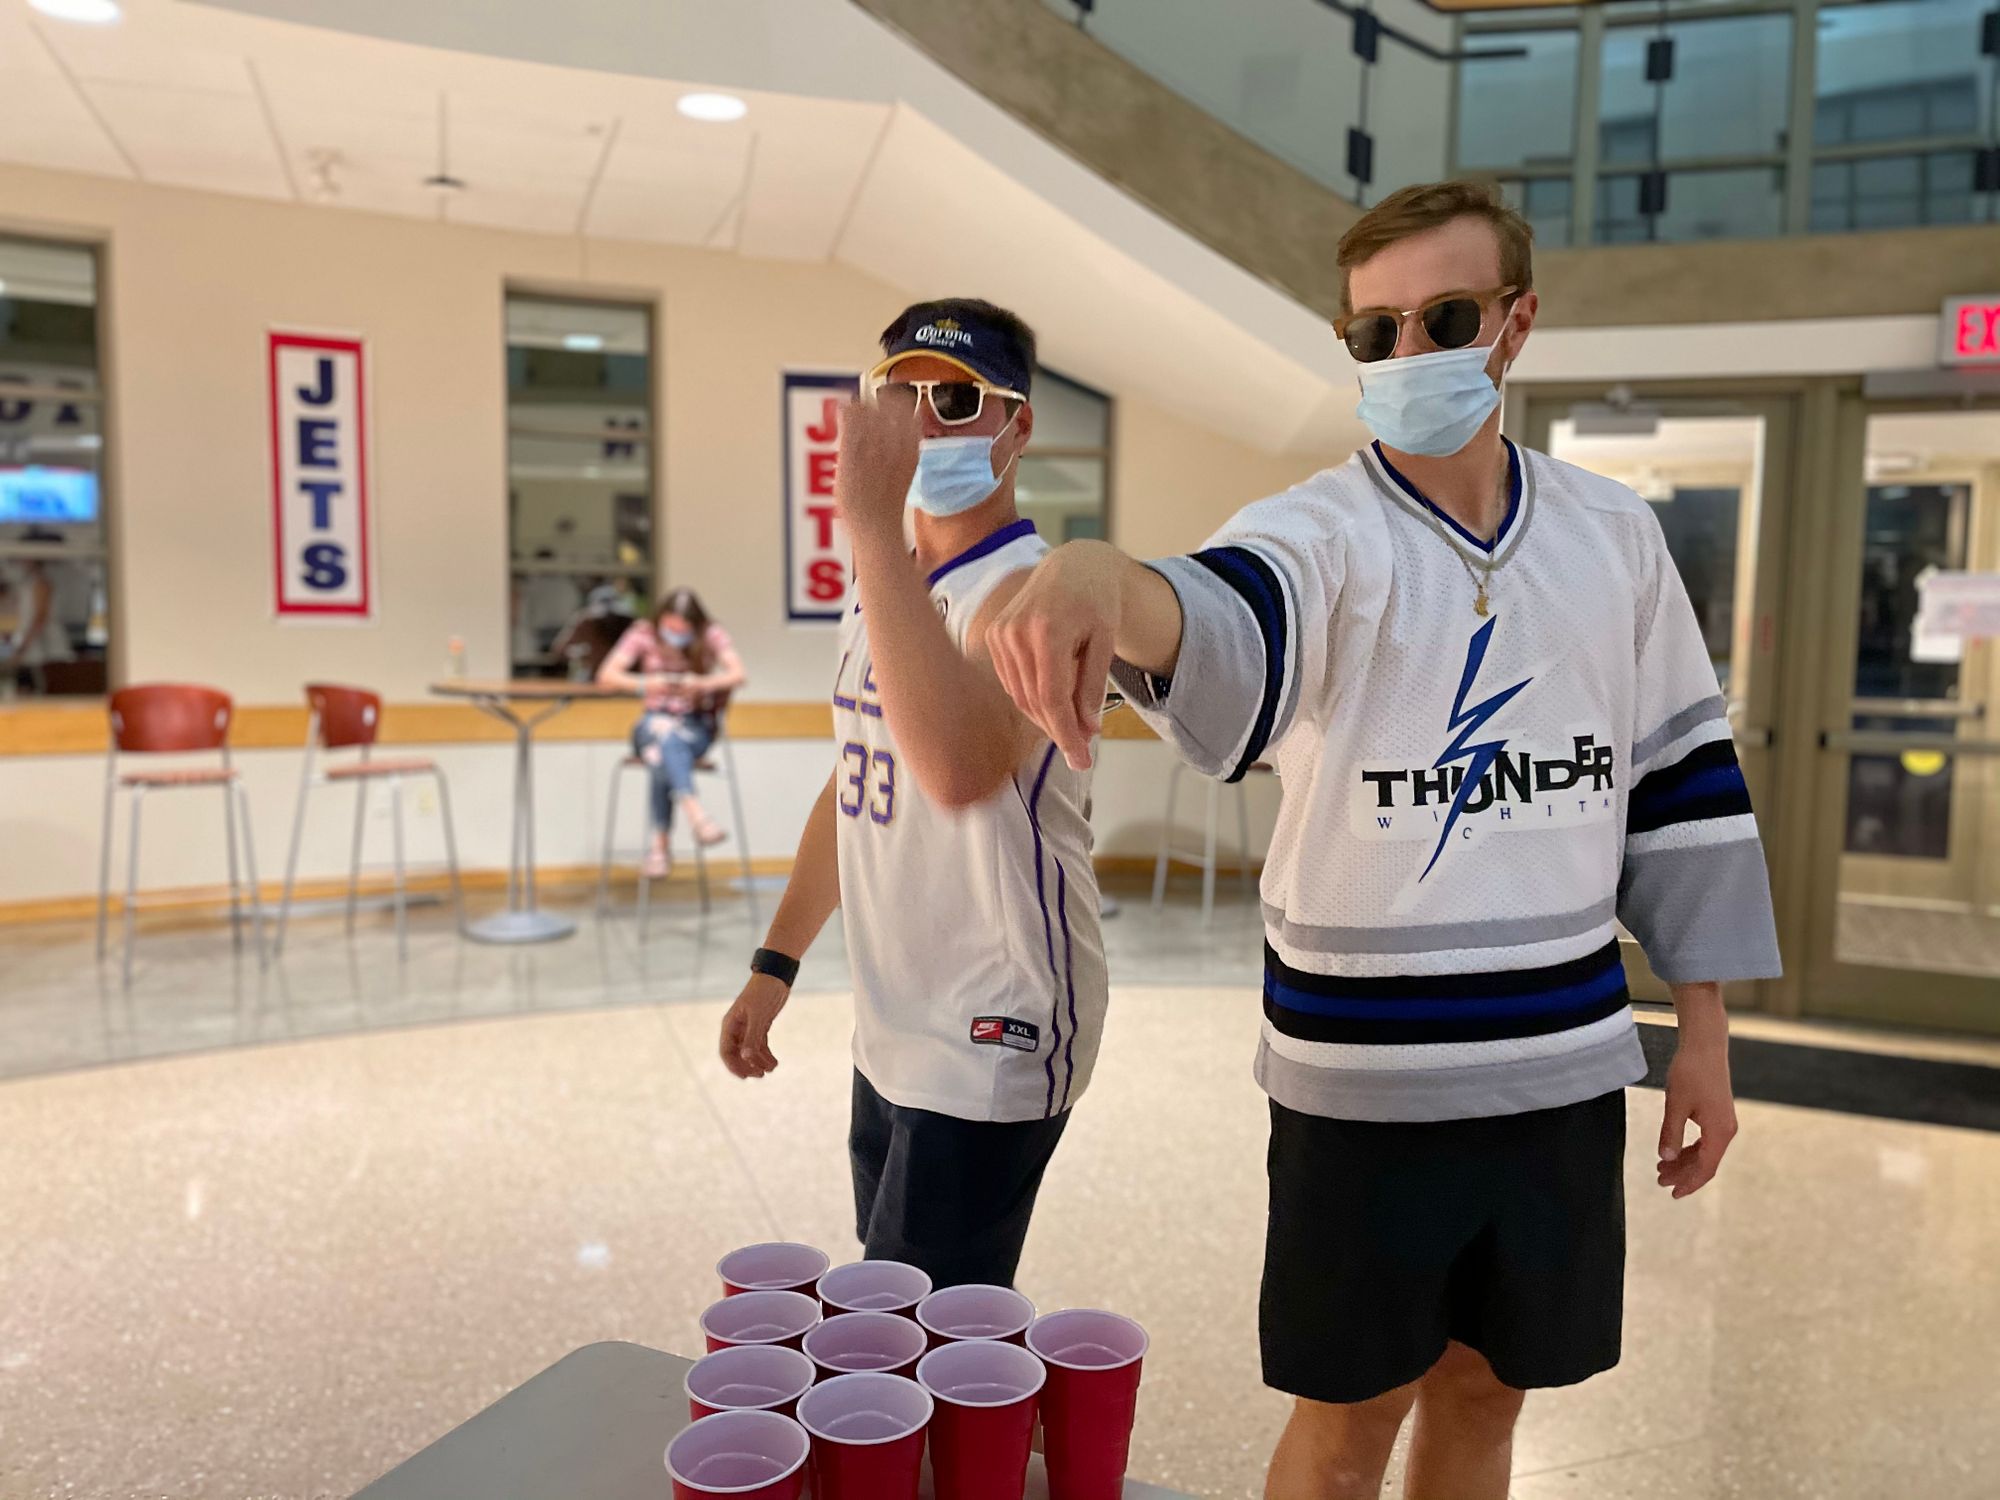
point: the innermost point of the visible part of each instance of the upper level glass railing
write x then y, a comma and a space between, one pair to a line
1627, 121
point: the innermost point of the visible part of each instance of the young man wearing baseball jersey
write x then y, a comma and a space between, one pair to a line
953, 838
1499, 734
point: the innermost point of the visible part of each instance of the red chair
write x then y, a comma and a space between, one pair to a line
173, 719
349, 718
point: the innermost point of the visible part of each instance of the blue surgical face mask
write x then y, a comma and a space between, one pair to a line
1430, 404
680, 640
955, 473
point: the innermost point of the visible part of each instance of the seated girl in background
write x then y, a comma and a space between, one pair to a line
683, 663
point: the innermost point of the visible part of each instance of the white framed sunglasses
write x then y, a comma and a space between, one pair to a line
952, 402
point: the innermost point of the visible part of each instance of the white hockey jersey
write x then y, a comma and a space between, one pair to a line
979, 979
1471, 802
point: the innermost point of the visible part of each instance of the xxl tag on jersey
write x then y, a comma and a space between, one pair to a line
1005, 1031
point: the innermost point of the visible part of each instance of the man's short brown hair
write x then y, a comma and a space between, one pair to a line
1412, 210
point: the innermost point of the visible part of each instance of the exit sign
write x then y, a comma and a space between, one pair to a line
1969, 331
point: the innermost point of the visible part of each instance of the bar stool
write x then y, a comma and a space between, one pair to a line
173, 719
351, 718
709, 765
1205, 861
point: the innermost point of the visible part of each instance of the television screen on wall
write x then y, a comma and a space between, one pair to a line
36, 495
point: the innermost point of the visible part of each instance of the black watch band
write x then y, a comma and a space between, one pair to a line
779, 966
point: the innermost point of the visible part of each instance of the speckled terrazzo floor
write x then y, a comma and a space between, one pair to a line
276, 1270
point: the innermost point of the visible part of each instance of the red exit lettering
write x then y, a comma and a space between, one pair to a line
1978, 331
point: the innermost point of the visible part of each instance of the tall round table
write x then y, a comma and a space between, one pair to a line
523, 921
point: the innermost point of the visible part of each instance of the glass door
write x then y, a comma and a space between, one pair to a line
1715, 468
1906, 903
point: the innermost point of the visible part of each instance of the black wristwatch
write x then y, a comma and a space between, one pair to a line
779, 966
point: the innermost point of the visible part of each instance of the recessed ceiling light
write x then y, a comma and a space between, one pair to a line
89, 12
583, 342
715, 108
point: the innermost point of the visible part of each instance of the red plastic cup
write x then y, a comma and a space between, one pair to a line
873, 1286
771, 1268
746, 1455
1094, 1361
759, 1318
853, 1343
749, 1377
867, 1436
986, 1393
975, 1312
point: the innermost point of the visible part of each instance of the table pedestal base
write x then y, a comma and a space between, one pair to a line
520, 927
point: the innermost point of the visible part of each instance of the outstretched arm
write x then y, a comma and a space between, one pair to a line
1053, 643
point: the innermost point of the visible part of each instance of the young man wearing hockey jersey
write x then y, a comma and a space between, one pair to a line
1498, 732
952, 836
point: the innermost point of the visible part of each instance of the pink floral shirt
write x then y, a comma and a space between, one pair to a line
641, 651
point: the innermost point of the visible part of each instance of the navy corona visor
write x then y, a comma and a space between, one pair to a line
981, 349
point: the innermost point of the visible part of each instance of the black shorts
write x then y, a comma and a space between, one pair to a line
1386, 1240
950, 1196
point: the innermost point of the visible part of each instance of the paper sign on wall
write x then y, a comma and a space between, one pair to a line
319, 477
1953, 608
818, 574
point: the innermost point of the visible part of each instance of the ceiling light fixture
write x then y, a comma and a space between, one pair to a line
583, 343
86, 12
716, 109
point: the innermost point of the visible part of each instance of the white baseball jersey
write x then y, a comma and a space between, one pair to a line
1473, 796
979, 979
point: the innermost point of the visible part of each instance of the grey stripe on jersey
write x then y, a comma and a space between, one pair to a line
1499, 932
1688, 718
1506, 1086
1221, 671
1702, 911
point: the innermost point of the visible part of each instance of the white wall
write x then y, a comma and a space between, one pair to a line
192, 283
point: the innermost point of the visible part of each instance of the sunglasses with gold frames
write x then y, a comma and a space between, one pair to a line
1451, 321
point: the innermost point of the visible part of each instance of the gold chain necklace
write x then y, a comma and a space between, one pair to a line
1482, 578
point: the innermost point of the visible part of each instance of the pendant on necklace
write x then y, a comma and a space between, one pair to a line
1479, 604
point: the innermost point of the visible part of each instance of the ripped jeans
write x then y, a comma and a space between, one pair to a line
670, 744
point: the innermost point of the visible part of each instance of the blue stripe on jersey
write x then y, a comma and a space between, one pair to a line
1257, 583
991, 543
1513, 495
1441, 1008
1707, 782
1069, 982
1048, 927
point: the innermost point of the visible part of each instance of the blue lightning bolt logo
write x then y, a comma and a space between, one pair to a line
1466, 722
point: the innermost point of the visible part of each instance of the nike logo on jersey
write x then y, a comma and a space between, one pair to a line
1005, 1031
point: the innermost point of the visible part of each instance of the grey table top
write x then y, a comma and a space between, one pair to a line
593, 1426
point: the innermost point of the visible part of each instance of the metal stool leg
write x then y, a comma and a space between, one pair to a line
1243, 838
132, 881
1166, 837
354, 861
235, 890
250, 868
610, 834
645, 881
402, 901
742, 830
1208, 852
700, 871
104, 864
292, 857
450, 847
